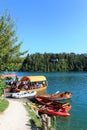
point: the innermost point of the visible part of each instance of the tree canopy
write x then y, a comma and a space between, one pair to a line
50, 62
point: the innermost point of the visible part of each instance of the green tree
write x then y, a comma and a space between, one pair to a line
49, 62
10, 55
2, 86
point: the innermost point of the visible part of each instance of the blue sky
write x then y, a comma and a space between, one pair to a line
51, 26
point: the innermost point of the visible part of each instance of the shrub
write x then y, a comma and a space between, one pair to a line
2, 86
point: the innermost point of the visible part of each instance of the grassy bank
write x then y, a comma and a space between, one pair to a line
3, 104
34, 119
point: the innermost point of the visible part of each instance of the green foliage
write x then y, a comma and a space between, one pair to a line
10, 55
53, 122
3, 104
49, 62
2, 86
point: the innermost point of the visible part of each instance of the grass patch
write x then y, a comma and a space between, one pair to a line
3, 104
34, 119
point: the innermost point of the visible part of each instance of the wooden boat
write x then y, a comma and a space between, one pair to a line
9, 77
28, 84
53, 111
56, 96
24, 94
35, 83
65, 106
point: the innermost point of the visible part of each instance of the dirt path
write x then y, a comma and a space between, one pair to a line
15, 117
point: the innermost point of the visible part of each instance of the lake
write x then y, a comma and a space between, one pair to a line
72, 82
77, 84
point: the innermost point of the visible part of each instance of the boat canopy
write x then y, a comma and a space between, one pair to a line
4, 76
33, 78
8, 77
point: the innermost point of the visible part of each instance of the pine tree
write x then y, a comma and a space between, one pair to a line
10, 55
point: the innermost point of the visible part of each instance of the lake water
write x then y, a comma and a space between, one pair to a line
75, 83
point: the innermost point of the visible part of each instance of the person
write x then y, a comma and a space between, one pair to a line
13, 86
38, 85
16, 79
26, 86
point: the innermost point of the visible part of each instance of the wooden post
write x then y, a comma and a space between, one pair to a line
48, 120
44, 122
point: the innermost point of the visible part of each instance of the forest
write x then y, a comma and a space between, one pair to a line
50, 62
12, 59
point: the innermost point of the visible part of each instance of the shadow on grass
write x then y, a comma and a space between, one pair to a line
33, 125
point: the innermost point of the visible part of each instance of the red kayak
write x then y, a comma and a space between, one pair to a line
54, 112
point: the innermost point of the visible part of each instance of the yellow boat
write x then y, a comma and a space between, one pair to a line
36, 83
31, 83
